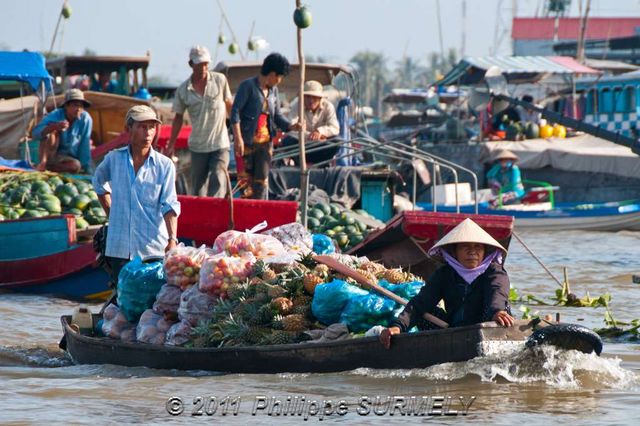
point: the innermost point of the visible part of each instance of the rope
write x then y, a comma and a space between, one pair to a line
537, 259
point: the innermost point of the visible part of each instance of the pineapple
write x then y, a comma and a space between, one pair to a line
302, 300
394, 276
266, 314
369, 275
282, 305
373, 267
307, 260
234, 331
281, 337
276, 323
269, 275
310, 282
294, 322
304, 310
236, 291
275, 291
321, 270
245, 311
255, 335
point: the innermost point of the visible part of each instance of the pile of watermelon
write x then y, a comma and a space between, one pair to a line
337, 222
40, 194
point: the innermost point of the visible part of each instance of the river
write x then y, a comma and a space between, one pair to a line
38, 383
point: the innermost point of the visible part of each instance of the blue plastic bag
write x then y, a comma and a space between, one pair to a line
138, 285
322, 244
330, 299
364, 311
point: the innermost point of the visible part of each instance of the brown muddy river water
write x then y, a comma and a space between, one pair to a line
39, 384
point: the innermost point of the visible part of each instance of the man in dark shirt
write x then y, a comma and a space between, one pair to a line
255, 114
473, 283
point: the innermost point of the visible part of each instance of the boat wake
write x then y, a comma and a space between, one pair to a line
542, 364
33, 357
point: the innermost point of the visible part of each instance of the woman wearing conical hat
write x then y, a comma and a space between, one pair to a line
472, 283
505, 179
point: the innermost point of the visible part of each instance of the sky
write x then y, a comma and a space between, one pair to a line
340, 28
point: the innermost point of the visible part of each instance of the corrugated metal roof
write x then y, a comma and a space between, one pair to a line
470, 70
569, 28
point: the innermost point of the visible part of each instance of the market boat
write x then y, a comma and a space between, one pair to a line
44, 256
610, 216
408, 351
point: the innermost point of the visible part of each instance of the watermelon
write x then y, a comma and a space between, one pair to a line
80, 201
75, 212
95, 216
316, 213
65, 199
326, 209
81, 223
302, 17
40, 187
532, 131
336, 209
312, 222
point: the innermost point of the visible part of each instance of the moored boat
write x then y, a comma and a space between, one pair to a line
610, 216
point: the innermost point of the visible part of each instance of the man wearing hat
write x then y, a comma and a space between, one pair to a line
65, 135
472, 283
321, 122
205, 95
136, 187
504, 178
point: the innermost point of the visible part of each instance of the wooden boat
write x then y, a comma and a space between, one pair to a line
610, 216
44, 256
415, 350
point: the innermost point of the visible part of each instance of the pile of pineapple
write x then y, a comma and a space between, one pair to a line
273, 305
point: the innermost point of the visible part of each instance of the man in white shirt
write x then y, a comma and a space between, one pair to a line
205, 95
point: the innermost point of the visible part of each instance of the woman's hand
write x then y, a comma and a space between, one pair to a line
385, 336
503, 318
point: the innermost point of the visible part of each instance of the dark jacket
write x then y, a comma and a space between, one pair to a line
247, 106
464, 303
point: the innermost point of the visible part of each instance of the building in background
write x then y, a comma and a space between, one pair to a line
537, 36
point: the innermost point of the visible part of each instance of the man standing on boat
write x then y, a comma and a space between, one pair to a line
136, 187
207, 98
254, 117
65, 135
321, 120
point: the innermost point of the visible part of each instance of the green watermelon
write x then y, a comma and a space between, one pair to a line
80, 201
81, 223
532, 131
326, 209
95, 216
65, 199
50, 203
312, 222
302, 17
335, 209
316, 213
40, 187
76, 212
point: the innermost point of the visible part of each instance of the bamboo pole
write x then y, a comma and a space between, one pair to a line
303, 126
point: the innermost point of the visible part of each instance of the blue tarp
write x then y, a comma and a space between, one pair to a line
25, 66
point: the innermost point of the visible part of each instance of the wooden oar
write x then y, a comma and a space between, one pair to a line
352, 273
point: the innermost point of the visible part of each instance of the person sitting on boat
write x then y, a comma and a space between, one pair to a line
472, 283
65, 134
505, 180
136, 186
321, 122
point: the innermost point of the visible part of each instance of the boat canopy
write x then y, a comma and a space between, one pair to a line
27, 67
516, 69
237, 71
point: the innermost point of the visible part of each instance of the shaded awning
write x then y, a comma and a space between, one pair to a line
516, 69
27, 67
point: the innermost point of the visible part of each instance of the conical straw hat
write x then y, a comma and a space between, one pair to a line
505, 154
467, 231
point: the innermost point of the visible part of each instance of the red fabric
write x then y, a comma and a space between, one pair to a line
569, 28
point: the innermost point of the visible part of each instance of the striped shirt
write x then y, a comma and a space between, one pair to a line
138, 202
